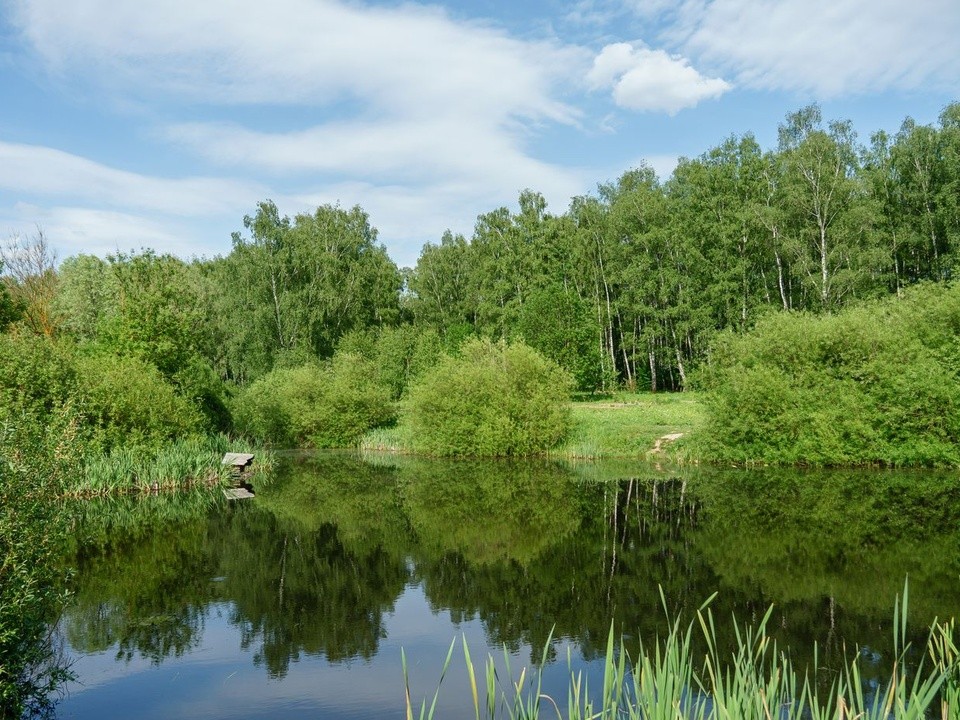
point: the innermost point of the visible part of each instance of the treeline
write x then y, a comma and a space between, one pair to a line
635, 281
628, 287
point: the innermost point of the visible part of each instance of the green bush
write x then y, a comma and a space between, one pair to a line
37, 454
36, 374
330, 405
129, 402
494, 400
873, 385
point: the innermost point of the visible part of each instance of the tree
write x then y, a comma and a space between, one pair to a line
30, 279
831, 219
296, 287
441, 284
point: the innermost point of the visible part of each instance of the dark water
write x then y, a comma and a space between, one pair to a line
297, 604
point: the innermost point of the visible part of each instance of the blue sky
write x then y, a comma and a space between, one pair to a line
160, 123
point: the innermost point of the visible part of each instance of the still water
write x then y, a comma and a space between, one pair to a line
297, 603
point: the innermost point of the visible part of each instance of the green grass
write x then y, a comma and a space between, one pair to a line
388, 439
173, 466
669, 681
628, 425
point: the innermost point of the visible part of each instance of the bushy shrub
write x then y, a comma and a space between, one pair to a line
876, 384
129, 402
37, 454
36, 374
328, 405
494, 400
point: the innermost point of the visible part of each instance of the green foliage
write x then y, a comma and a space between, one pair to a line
36, 458
559, 325
87, 295
294, 288
329, 405
399, 355
10, 311
873, 385
36, 374
496, 399
157, 315
130, 403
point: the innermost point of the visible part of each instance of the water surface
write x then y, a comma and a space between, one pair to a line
297, 603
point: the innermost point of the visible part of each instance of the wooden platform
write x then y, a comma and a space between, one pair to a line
237, 493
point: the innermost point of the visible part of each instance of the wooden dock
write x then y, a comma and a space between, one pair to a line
237, 493
240, 471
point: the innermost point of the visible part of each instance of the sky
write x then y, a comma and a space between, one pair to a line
161, 123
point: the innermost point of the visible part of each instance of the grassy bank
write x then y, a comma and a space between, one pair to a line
629, 425
623, 425
670, 681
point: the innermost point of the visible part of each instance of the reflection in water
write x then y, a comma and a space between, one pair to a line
317, 562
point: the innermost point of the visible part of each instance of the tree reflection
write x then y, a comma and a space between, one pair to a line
314, 563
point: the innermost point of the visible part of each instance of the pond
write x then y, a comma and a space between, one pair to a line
298, 603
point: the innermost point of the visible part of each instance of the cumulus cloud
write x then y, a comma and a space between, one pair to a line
651, 80
828, 47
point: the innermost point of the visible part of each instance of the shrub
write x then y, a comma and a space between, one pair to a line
329, 405
494, 400
36, 374
130, 403
876, 384
37, 454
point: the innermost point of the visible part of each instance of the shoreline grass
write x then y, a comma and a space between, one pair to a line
177, 465
757, 681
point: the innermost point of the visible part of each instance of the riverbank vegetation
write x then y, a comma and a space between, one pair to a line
35, 463
876, 384
307, 334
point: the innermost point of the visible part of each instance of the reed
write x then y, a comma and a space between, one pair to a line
756, 682
176, 465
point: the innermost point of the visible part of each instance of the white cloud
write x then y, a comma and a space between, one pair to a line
73, 230
651, 80
410, 60
37, 170
415, 116
828, 47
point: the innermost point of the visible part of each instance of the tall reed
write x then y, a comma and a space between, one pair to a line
175, 465
756, 682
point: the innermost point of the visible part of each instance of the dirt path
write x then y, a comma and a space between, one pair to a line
661, 441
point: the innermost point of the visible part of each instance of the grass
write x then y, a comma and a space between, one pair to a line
175, 465
629, 425
622, 425
756, 682
394, 439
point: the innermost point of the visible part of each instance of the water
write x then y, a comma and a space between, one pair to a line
298, 603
